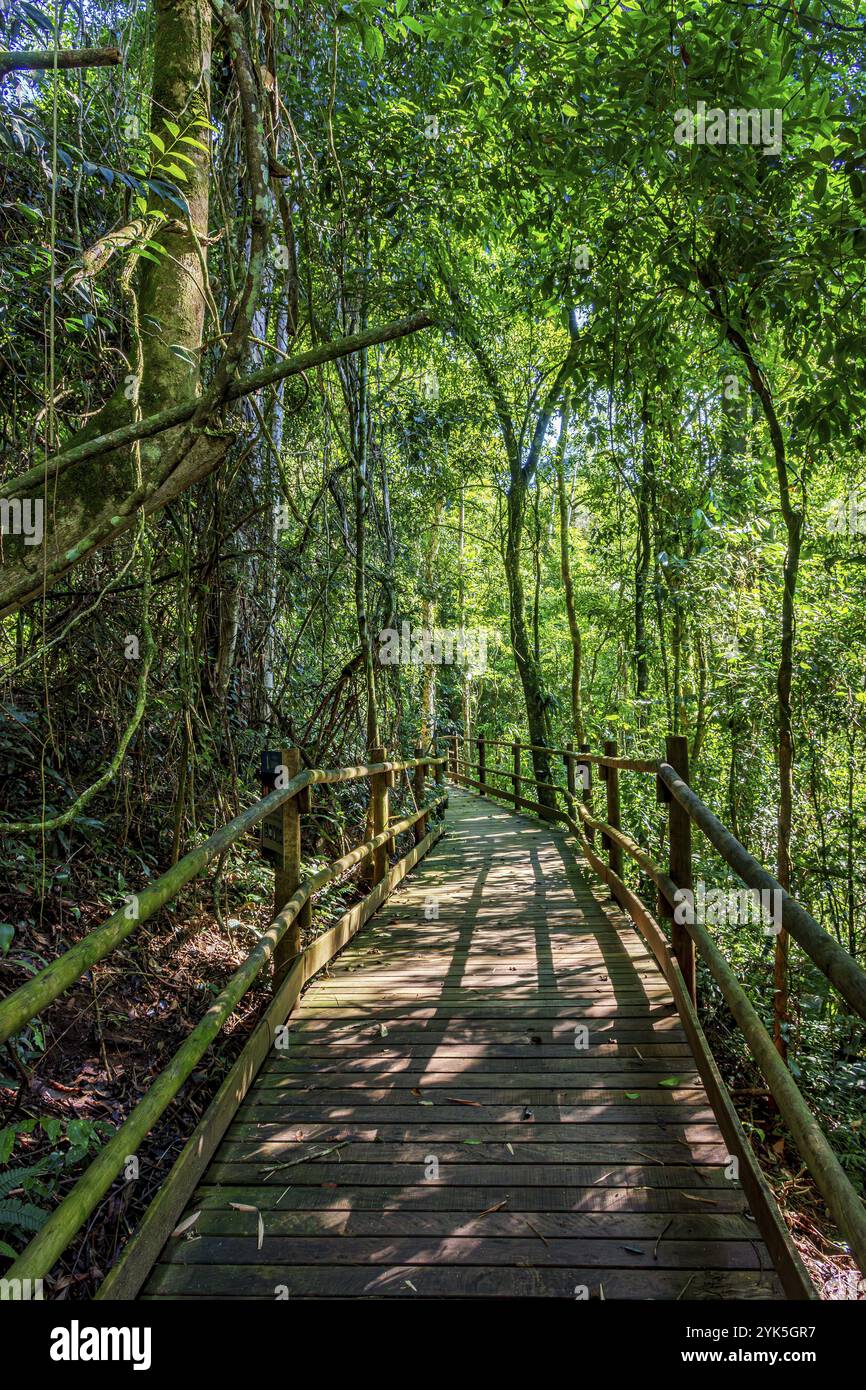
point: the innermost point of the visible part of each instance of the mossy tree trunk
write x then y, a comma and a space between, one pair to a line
96, 500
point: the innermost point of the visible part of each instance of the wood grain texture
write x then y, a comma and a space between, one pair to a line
489, 1093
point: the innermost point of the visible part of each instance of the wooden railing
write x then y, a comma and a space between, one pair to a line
280, 813
676, 955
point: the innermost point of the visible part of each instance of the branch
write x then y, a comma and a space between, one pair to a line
46, 59
178, 414
551, 401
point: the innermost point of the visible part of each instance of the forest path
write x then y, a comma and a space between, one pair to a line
444, 1037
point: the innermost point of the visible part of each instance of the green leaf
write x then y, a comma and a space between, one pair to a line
24, 1215
670, 1081
374, 43
7, 1143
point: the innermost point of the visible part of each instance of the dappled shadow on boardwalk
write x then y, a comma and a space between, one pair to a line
489, 1093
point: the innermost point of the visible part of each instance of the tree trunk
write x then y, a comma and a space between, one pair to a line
521, 474
90, 503
567, 583
793, 520
643, 558
527, 667
428, 618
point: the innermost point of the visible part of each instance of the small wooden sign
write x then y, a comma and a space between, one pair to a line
273, 828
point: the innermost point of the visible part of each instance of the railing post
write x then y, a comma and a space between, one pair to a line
515, 775
569, 769
439, 775
680, 861
482, 765
375, 867
287, 877
586, 778
610, 776
419, 829
390, 845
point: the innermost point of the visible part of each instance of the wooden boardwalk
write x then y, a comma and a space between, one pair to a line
433, 1130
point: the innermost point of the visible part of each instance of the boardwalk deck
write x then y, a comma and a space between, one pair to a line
433, 1130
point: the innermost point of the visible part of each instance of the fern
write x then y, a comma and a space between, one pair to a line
27, 1178
22, 1216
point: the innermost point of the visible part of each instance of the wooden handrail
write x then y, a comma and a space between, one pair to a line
37, 993
830, 1178
818, 1155
37, 1259
649, 765
832, 959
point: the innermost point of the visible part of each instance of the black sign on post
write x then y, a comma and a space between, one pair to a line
273, 841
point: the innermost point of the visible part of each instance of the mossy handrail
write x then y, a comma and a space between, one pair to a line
840, 969
831, 958
37, 1259
37, 993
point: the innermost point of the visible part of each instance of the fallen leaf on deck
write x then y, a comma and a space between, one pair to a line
187, 1224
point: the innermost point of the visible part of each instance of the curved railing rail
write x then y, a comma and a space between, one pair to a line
280, 943
676, 904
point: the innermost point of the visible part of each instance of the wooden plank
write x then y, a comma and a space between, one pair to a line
292, 1131
267, 1151
606, 1226
359, 1281
529, 1095
687, 1176
631, 1118
346, 1079
426, 1197
474, 1249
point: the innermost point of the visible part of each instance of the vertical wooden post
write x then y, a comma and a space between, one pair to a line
419, 829
287, 877
680, 860
391, 845
587, 790
439, 774
610, 776
569, 773
482, 764
377, 866
515, 775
